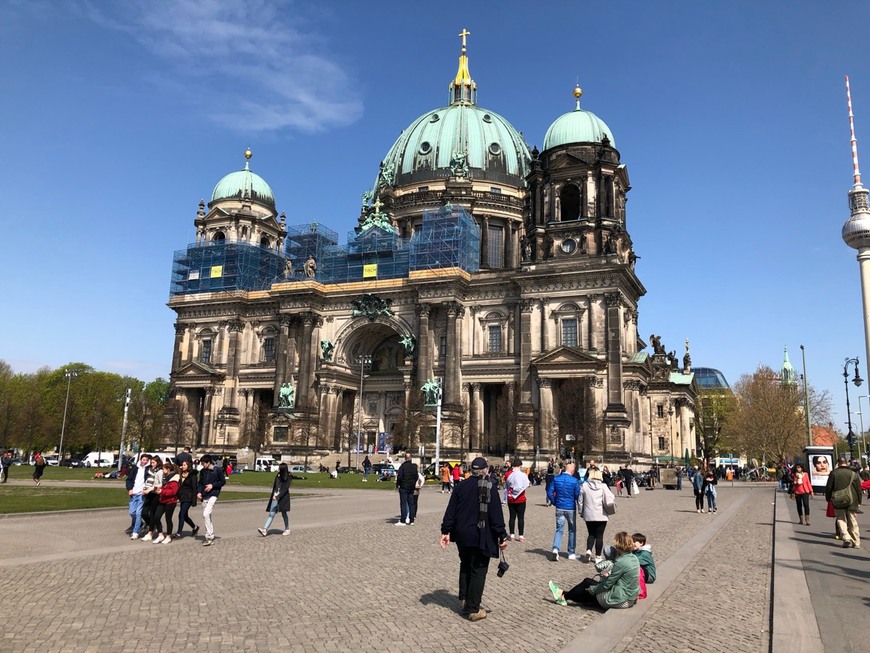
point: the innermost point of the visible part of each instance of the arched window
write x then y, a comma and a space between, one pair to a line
264, 242
219, 237
570, 201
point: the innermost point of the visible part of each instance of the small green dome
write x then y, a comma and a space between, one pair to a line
577, 126
494, 150
236, 184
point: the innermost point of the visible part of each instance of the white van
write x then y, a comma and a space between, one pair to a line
97, 459
266, 464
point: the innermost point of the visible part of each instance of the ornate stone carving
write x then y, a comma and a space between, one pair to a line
544, 382
371, 306
612, 299
424, 310
527, 305
180, 328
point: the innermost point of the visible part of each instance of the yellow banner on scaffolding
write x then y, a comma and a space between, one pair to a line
217, 271
370, 270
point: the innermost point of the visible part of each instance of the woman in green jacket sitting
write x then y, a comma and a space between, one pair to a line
618, 590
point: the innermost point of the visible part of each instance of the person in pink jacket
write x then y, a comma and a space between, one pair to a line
802, 491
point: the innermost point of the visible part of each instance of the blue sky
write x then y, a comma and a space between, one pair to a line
117, 118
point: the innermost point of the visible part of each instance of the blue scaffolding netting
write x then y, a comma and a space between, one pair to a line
447, 238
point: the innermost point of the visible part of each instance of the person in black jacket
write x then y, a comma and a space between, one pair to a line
211, 480
186, 496
280, 499
474, 521
406, 481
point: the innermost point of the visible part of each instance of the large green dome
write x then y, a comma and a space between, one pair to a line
236, 184
494, 150
577, 126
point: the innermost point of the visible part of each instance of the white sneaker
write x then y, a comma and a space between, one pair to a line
588, 555
407, 520
513, 537
167, 539
287, 532
134, 536
147, 537
572, 556
521, 538
597, 560
399, 523
555, 555
158, 539
262, 531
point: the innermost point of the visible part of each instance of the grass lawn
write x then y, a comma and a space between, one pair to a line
43, 499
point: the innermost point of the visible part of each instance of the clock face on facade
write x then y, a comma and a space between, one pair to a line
568, 246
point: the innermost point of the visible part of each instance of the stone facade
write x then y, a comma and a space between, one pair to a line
554, 299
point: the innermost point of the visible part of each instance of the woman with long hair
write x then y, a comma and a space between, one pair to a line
620, 589
167, 499
186, 496
802, 491
280, 500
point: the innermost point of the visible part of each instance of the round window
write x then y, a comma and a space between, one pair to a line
487, 117
434, 118
494, 149
425, 148
569, 246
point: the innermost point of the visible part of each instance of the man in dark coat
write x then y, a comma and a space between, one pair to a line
843, 478
406, 482
474, 521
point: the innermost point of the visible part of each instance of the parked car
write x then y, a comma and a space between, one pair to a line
302, 469
17, 462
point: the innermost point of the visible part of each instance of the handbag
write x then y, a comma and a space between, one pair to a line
609, 508
634, 488
842, 499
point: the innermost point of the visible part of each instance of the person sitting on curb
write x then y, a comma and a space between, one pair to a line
619, 589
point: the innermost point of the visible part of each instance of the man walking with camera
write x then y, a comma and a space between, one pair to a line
474, 521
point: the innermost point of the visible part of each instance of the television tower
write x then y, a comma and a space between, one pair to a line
856, 231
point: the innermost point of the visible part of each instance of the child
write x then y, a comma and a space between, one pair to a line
643, 551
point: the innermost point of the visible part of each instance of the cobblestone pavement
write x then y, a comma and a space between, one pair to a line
348, 579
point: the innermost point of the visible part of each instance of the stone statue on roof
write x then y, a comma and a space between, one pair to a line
326, 349
431, 392
286, 395
459, 164
310, 267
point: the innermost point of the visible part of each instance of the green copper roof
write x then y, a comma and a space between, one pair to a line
236, 184
577, 126
678, 378
493, 149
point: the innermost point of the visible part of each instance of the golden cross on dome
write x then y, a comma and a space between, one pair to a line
463, 34
377, 205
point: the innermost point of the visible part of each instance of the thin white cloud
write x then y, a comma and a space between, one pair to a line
257, 63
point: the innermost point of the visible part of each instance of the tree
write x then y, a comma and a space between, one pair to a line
410, 429
712, 408
256, 425
148, 405
767, 421
459, 427
578, 416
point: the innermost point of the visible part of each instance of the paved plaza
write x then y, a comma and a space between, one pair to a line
348, 579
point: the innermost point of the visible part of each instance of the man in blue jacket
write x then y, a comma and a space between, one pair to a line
475, 522
211, 480
563, 494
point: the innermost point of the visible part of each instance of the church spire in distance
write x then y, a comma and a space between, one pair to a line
463, 89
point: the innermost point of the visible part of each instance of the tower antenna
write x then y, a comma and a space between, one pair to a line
856, 171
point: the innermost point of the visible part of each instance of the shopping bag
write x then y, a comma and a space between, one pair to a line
634, 488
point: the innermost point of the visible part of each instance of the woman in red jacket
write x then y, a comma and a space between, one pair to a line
802, 491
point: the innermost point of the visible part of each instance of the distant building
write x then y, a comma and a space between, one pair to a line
505, 271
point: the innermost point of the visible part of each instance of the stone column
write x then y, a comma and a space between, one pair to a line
453, 360
475, 415
180, 330
545, 387
281, 357
235, 328
526, 308
475, 310
591, 199
306, 362
591, 302
615, 401
542, 302
484, 242
424, 340
205, 427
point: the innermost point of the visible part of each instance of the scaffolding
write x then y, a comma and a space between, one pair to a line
447, 238
221, 266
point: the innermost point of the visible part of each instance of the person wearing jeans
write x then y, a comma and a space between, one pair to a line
135, 485
211, 480
563, 494
406, 482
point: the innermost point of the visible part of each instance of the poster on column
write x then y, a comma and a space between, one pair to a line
820, 461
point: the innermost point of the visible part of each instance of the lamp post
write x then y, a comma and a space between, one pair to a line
124, 430
363, 360
70, 375
850, 438
671, 428
807, 399
863, 439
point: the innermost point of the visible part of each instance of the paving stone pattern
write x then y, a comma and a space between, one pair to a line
348, 579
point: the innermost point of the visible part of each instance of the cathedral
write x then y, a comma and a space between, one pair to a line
500, 278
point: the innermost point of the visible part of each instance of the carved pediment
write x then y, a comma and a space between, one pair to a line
566, 160
567, 356
197, 370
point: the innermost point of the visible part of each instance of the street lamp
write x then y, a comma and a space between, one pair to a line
362, 360
863, 440
857, 381
807, 399
671, 428
70, 375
